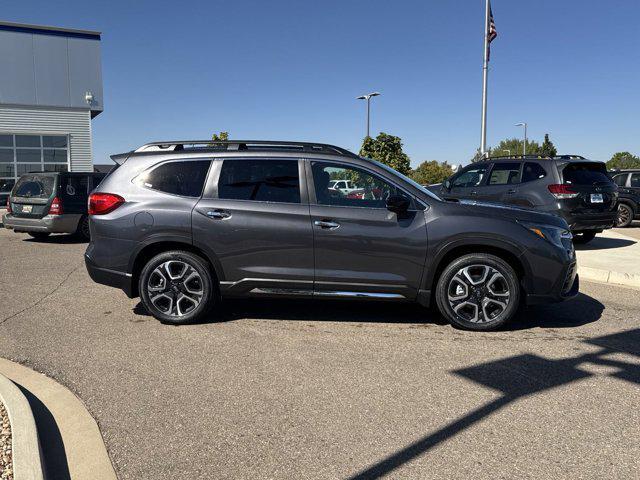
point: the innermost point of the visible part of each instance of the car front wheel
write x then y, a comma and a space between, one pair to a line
176, 287
478, 292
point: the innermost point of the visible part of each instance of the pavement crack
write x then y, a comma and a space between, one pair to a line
42, 299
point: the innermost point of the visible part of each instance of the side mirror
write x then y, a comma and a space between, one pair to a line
398, 204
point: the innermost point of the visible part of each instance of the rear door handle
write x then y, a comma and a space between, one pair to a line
511, 192
221, 214
326, 224
473, 193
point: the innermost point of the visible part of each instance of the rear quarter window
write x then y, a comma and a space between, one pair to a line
185, 178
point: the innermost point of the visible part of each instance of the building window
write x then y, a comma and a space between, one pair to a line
22, 153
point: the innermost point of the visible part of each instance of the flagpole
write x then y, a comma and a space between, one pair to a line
485, 73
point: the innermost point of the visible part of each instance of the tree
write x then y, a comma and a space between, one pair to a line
386, 149
429, 172
548, 149
220, 137
514, 146
623, 160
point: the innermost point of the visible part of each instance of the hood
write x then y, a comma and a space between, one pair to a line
513, 213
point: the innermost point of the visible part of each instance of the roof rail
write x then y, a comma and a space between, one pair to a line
520, 157
240, 145
568, 157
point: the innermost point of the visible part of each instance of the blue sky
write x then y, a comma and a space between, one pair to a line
291, 70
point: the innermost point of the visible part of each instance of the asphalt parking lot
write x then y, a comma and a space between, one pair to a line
283, 389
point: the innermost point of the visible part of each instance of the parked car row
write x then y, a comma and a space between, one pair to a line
628, 182
576, 189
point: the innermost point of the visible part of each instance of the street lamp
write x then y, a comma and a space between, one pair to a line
367, 97
524, 148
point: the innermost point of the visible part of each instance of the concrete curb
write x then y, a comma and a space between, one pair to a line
609, 276
25, 448
79, 435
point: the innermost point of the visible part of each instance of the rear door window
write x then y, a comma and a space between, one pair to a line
505, 173
533, 171
34, 186
75, 186
585, 173
185, 178
260, 180
635, 180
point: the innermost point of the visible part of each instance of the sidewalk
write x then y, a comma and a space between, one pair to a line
612, 257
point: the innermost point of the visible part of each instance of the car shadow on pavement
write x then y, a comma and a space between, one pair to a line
573, 313
601, 243
520, 376
52, 448
63, 239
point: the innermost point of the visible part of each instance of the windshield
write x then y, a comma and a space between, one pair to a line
407, 179
33, 186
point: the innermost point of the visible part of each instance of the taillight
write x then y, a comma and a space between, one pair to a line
56, 207
561, 191
102, 203
9, 204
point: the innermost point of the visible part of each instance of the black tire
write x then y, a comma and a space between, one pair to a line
169, 305
625, 215
83, 230
580, 238
494, 299
39, 235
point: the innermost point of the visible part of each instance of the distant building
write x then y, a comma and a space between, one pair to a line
50, 89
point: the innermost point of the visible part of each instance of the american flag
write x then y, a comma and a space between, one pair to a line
493, 33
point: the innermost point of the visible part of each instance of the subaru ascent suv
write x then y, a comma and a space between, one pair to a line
183, 225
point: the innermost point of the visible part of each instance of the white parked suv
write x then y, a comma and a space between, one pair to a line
344, 186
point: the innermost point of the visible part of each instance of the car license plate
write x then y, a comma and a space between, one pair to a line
27, 208
596, 198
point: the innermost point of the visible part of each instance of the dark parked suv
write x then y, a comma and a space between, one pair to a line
43, 203
628, 182
577, 189
183, 224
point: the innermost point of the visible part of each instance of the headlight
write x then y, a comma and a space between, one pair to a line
552, 234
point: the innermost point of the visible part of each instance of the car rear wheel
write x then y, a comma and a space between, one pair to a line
478, 292
83, 228
39, 235
176, 287
580, 238
625, 215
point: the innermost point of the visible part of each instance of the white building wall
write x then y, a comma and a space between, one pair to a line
73, 122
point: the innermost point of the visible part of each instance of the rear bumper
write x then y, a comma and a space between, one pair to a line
111, 278
595, 221
48, 223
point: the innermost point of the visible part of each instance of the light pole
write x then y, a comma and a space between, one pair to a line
524, 148
367, 97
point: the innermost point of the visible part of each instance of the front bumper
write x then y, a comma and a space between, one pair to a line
48, 223
111, 278
567, 286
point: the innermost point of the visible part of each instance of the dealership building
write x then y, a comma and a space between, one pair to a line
50, 89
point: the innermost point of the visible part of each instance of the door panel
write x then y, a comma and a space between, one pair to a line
258, 242
364, 248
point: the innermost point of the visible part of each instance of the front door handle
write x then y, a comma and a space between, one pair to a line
221, 214
473, 193
326, 224
511, 192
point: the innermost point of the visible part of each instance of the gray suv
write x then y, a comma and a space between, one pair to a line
577, 189
184, 224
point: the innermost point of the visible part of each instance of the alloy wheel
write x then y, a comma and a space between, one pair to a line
624, 215
175, 288
478, 293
